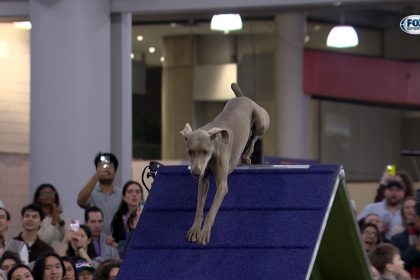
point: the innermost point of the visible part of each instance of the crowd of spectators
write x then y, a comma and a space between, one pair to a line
50, 246
390, 228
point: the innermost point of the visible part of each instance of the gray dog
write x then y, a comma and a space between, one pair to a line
217, 148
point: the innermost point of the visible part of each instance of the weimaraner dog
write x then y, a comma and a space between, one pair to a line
217, 148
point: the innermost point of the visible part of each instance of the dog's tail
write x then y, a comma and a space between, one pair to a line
236, 90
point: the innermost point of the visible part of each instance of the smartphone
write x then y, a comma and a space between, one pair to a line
75, 225
105, 161
392, 169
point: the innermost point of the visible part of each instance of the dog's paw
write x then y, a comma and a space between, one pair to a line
193, 234
204, 236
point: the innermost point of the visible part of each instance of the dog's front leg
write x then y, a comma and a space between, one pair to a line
221, 191
203, 187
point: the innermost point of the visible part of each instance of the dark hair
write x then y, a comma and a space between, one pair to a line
69, 260
43, 186
7, 213
112, 158
104, 269
21, 265
7, 255
382, 255
35, 208
408, 182
117, 224
2, 241
92, 209
90, 248
378, 233
39, 266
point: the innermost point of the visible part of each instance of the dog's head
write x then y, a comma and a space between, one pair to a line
201, 146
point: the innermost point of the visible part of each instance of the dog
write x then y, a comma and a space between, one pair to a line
217, 148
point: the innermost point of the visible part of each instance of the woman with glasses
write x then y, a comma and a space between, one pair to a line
54, 225
371, 236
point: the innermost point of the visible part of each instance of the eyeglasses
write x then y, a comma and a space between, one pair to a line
370, 234
47, 194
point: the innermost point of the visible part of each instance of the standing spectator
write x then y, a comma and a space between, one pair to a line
32, 216
389, 209
401, 175
48, 266
100, 190
128, 214
12, 244
94, 221
53, 227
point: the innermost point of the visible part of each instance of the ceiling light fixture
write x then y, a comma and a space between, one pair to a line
342, 36
152, 49
140, 38
226, 22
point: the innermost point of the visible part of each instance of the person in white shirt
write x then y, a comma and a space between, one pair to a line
389, 209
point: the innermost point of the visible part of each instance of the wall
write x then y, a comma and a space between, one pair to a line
14, 120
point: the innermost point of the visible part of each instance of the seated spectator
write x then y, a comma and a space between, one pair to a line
53, 227
78, 244
32, 216
408, 213
107, 270
127, 215
70, 269
12, 244
94, 220
9, 260
387, 260
409, 245
48, 266
84, 270
20, 272
371, 237
389, 209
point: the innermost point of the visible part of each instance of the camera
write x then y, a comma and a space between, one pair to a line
75, 225
105, 161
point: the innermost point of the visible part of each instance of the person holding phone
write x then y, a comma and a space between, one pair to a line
100, 190
77, 243
389, 209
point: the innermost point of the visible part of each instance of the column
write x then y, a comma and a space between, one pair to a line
292, 104
121, 95
70, 94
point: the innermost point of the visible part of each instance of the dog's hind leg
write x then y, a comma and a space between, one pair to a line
203, 187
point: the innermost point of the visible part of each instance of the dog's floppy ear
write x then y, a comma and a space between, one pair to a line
186, 131
223, 132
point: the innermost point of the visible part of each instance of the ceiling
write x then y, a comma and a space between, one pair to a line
154, 28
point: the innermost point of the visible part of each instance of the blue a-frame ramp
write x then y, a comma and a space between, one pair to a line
277, 222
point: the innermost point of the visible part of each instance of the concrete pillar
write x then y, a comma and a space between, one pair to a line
121, 96
70, 94
177, 94
292, 105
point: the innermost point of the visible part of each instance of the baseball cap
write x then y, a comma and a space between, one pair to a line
394, 183
83, 265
